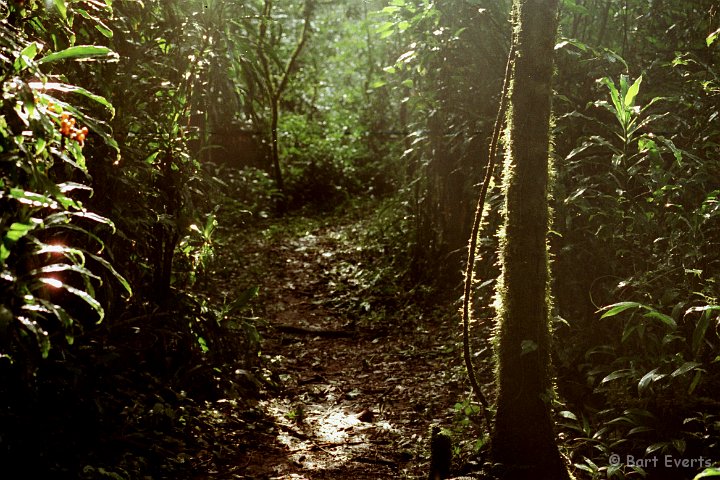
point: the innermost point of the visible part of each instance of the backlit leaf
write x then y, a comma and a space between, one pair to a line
79, 52
61, 8
616, 374
632, 93
616, 308
712, 37
707, 473
81, 294
648, 378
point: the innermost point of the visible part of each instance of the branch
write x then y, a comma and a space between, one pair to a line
296, 53
262, 34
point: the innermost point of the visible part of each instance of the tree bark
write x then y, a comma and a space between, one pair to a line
523, 439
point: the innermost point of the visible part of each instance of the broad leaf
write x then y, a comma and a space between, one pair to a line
648, 378
666, 319
26, 56
61, 8
712, 37
65, 88
684, 368
79, 52
632, 93
616, 308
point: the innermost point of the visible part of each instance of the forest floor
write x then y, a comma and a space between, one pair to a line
358, 372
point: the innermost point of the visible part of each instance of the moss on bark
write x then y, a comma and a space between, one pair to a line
523, 437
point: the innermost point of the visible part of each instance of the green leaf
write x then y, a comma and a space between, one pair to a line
64, 267
203, 344
65, 319
78, 52
104, 30
712, 37
568, 414
632, 92
702, 325
655, 447
406, 57
81, 294
74, 254
386, 33
391, 9
684, 368
615, 97
616, 308
617, 374
582, 466
708, 472
570, 41
114, 272
18, 230
65, 88
99, 24
698, 336
695, 381
667, 320
614, 470
95, 217
630, 328
61, 8
641, 429
648, 378
41, 336
384, 27
32, 198
26, 56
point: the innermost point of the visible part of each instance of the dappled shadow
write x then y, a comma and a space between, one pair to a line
356, 385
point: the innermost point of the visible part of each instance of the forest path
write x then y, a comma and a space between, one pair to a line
355, 395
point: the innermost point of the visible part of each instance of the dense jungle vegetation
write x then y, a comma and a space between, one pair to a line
233, 236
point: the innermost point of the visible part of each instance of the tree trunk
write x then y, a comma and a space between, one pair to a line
523, 438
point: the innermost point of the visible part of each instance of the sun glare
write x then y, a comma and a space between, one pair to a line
53, 282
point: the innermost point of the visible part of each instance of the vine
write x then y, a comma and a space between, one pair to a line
472, 248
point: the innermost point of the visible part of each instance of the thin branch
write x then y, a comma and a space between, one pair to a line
296, 53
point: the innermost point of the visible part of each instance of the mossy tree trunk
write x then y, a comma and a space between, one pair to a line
523, 438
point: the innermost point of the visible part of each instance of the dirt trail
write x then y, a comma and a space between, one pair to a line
356, 396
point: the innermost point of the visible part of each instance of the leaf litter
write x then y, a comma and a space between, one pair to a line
345, 395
